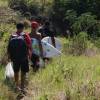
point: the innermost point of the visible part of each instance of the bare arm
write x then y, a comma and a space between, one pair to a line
40, 45
29, 44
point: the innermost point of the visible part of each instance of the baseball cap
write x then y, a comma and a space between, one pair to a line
34, 24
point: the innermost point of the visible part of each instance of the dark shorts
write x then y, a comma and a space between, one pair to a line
21, 65
35, 59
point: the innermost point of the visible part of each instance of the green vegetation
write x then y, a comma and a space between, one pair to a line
72, 15
5, 31
3, 3
77, 78
29, 7
75, 75
83, 15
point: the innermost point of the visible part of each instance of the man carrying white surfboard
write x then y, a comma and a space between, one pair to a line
48, 35
36, 46
47, 31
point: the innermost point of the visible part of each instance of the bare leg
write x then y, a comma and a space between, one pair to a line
23, 76
24, 82
16, 76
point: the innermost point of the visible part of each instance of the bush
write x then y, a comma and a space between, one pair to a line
27, 23
87, 23
71, 16
34, 8
96, 42
5, 30
20, 5
68, 13
27, 8
78, 45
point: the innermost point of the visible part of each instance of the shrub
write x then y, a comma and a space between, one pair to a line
66, 13
5, 30
26, 7
20, 5
79, 44
87, 23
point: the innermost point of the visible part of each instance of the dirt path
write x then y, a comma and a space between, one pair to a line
32, 93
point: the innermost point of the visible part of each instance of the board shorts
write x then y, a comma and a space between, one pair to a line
35, 62
21, 65
35, 59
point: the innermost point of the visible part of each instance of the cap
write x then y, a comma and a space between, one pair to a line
34, 24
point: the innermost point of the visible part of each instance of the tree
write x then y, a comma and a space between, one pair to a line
68, 13
88, 23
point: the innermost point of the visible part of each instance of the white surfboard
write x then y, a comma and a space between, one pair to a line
48, 50
57, 42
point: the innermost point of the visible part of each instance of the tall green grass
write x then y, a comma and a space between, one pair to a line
3, 3
73, 77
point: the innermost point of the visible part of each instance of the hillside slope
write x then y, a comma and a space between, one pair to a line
65, 78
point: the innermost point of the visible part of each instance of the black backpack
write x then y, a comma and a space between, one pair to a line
17, 48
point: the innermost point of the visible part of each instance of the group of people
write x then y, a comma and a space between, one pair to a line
21, 50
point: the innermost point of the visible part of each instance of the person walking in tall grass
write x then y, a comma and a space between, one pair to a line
19, 51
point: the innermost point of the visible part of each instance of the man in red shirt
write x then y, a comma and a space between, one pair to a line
19, 51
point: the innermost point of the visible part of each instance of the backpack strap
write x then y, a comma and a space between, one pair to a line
25, 36
15, 34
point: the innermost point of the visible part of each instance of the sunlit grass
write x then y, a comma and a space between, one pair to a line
76, 76
68, 74
3, 3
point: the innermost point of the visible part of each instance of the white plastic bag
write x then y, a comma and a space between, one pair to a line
41, 62
9, 73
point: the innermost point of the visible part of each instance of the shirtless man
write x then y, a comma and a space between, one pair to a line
36, 54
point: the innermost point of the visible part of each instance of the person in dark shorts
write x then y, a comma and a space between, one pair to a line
36, 53
19, 51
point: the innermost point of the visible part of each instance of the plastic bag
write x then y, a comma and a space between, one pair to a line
9, 73
41, 62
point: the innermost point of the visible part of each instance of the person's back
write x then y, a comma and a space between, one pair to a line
17, 48
18, 51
